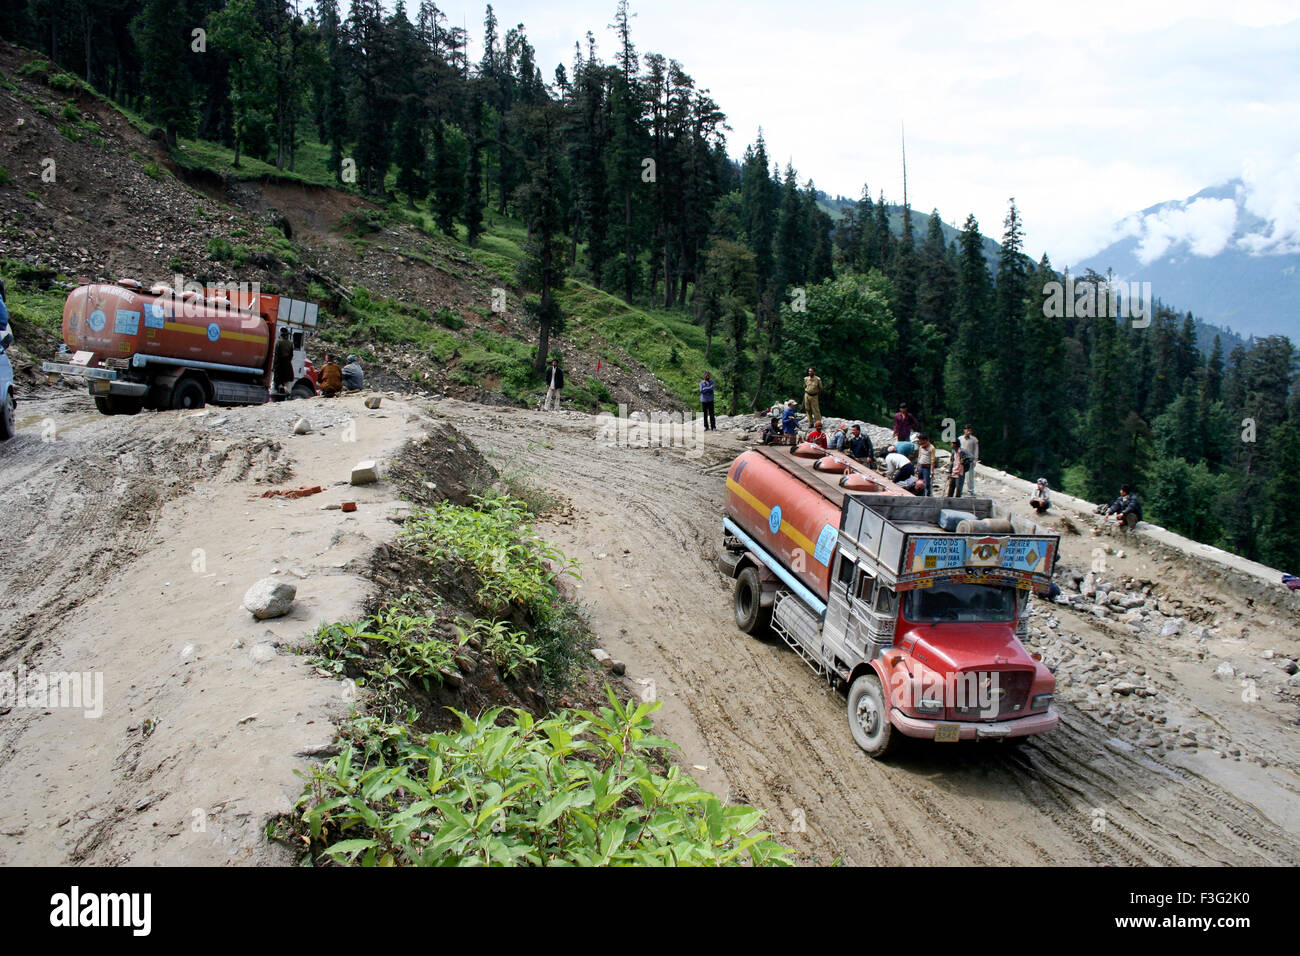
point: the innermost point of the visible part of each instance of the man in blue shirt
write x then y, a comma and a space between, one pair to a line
789, 419
706, 402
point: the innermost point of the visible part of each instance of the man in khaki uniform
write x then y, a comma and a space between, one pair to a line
812, 389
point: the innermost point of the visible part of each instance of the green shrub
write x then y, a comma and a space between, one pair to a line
64, 82
70, 113
574, 789
152, 171
219, 248
5, 180
449, 318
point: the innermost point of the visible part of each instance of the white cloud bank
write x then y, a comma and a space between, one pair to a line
1263, 218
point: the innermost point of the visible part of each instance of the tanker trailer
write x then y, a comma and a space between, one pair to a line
163, 349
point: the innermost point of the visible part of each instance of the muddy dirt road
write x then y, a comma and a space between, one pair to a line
755, 723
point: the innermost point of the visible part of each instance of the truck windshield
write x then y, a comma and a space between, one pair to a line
960, 602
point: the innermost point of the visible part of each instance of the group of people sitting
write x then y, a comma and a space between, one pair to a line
333, 379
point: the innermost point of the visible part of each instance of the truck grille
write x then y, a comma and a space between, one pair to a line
1014, 690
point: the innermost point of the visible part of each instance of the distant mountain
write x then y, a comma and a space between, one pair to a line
1211, 254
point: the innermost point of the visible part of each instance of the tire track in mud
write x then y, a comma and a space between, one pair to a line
780, 736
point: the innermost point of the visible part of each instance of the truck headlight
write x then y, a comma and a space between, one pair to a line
927, 705
1040, 701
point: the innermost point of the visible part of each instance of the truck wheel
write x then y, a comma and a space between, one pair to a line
7, 417
104, 405
869, 716
302, 390
188, 393
126, 406
751, 616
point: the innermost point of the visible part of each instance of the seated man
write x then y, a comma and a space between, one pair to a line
859, 445
354, 378
1127, 508
789, 421
330, 379
1041, 499
771, 432
840, 438
817, 436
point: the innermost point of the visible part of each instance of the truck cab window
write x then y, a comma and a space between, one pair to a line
847, 567
960, 602
866, 587
885, 601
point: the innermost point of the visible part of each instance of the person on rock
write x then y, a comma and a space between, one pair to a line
354, 377
330, 378
817, 436
1042, 498
812, 390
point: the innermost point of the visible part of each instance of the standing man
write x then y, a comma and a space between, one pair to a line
283, 361
926, 459
706, 402
812, 388
970, 447
905, 423
554, 383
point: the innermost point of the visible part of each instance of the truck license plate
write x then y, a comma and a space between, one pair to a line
947, 733
99, 387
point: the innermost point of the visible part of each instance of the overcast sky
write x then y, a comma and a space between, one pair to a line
1085, 113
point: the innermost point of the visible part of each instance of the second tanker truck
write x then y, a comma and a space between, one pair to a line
181, 349
914, 606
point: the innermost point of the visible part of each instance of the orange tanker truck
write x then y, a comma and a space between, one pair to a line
914, 606
168, 349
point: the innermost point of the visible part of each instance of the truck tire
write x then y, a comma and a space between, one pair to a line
869, 716
751, 616
302, 390
104, 405
188, 393
7, 428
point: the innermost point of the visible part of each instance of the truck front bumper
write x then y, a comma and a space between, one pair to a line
99, 381
975, 730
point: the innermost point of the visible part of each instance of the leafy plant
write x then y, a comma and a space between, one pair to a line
576, 788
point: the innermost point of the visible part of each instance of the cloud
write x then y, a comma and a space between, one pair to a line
1205, 226
1271, 191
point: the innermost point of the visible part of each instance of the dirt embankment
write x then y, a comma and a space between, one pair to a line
133, 541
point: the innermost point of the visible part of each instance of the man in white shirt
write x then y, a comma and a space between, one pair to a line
970, 447
894, 461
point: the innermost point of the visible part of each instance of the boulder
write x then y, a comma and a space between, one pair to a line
1172, 628
365, 473
270, 598
302, 427
373, 401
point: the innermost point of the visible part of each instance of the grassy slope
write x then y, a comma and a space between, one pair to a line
666, 342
